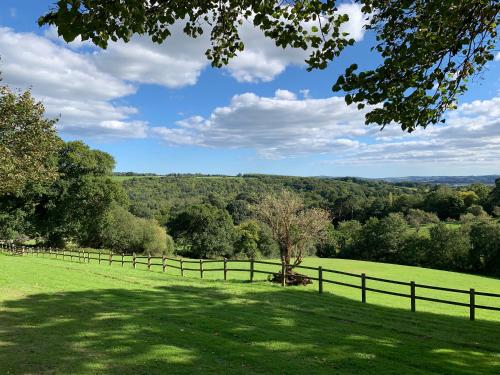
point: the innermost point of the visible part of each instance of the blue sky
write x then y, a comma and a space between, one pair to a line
163, 109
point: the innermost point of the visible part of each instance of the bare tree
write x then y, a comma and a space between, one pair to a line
294, 227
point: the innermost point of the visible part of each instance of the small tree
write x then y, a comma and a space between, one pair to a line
293, 226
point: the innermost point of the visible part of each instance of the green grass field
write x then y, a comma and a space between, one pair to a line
61, 317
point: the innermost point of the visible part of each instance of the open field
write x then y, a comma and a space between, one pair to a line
68, 317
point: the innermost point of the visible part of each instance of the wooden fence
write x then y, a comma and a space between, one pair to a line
189, 265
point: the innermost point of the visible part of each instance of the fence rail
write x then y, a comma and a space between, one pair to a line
110, 258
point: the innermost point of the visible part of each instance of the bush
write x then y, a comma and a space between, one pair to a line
123, 232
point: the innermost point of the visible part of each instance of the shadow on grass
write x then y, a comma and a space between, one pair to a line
185, 329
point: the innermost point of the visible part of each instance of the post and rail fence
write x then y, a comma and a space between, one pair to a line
149, 261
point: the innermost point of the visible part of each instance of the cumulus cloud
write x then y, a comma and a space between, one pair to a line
275, 127
69, 84
497, 56
177, 62
283, 126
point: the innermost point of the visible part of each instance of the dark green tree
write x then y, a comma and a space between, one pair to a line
203, 231
74, 207
448, 248
485, 248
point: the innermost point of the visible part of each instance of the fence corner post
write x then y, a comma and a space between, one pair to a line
320, 279
472, 313
363, 288
412, 296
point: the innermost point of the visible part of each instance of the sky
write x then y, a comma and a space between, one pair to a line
163, 109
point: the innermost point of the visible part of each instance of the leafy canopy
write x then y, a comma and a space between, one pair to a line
28, 142
429, 48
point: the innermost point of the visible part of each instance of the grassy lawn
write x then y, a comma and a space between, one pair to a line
60, 317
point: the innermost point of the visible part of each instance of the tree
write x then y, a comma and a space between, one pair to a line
381, 240
204, 231
493, 199
74, 207
247, 242
448, 248
294, 227
445, 202
485, 247
329, 248
429, 48
28, 142
416, 218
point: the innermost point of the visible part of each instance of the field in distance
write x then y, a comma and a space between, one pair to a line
68, 317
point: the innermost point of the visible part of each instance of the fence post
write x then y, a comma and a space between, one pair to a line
320, 279
283, 274
99, 256
122, 258
472, 313
201, 268
225, 269
412, 295
164, 262
110, 257
149, 260
182, 268
363, 288
133, 260
88, 257
251, 269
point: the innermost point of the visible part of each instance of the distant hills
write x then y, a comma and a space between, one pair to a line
444, 180
407, 180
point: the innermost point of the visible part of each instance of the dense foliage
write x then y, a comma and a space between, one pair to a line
28, 142
424, 225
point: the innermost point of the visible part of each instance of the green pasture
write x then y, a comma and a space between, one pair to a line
60, 317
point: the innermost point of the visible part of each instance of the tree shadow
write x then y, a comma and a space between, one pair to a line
186, 329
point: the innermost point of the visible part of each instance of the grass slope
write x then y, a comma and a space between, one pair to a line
66, 317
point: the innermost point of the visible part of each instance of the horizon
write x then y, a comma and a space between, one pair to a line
163, 109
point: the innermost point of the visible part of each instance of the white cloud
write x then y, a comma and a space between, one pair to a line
471, 136
275, 127
176, 63
284, 126
497, 56
69, 84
